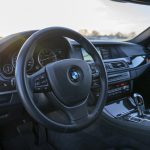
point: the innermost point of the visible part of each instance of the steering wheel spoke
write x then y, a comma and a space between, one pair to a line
77, 114
39, 81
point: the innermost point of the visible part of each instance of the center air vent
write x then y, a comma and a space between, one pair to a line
116, 65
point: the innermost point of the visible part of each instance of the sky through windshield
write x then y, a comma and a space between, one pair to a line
102, 16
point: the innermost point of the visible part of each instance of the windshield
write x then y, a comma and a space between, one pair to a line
104, 19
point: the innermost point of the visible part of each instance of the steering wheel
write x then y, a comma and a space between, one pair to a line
69, 81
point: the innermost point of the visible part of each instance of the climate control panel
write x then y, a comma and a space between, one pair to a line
119, 90
119, 84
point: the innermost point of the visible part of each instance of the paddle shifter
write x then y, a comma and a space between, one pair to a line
139, 101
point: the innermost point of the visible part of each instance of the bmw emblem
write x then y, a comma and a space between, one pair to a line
74, 75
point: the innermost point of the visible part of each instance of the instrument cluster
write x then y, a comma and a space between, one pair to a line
40, 58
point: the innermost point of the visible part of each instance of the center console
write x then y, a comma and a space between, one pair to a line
121, 103
119, 90
119, 84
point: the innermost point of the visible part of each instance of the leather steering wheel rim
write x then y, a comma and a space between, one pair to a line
24, 87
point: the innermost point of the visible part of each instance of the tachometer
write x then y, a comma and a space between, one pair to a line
46, 56
30, 63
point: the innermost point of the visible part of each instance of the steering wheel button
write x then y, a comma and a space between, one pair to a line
43, 76
37, 83
46, 88
44, 82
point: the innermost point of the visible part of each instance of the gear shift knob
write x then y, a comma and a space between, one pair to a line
139, 101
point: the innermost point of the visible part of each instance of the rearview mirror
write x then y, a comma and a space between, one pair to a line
143, 2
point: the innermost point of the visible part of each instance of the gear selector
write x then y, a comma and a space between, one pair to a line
139, 102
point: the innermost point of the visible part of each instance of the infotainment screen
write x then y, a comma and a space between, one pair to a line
104, 51
86, 56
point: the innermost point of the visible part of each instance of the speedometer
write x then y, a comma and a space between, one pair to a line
46, 56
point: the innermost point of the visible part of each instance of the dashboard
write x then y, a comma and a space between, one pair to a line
114, 50
124, 62
117, 56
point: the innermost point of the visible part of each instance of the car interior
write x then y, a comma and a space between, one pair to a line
60, 90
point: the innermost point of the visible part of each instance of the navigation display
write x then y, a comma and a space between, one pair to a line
104, 51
